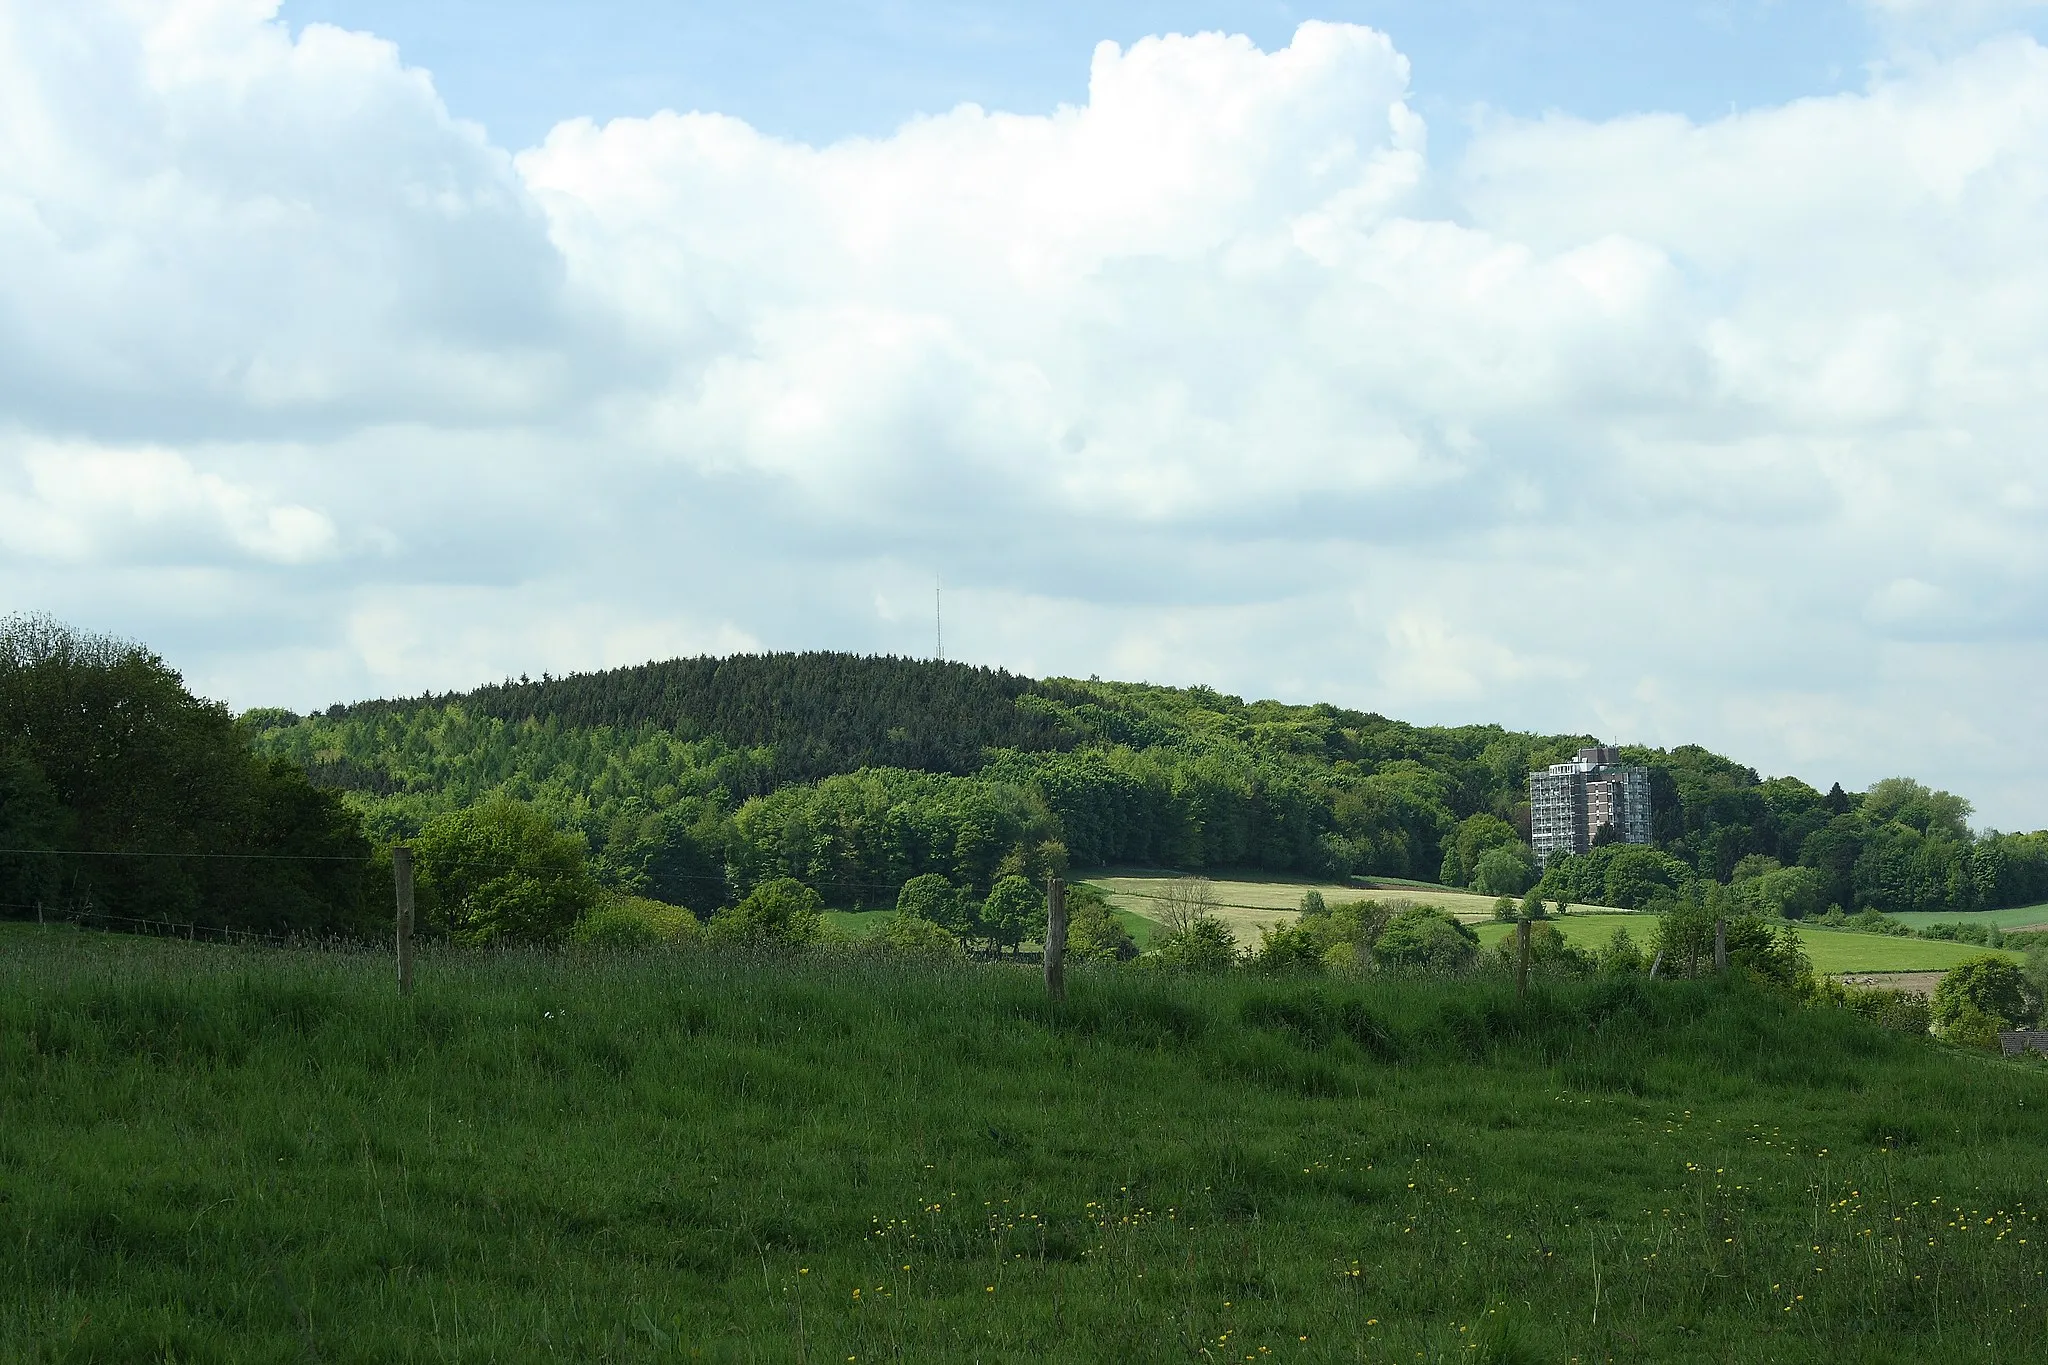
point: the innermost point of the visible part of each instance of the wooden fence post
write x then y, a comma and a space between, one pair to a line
1720, 944
1055, 937
1521, 958
401, 873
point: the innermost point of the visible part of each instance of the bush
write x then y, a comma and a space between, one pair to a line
1504, 909
914, 936
1992, 987
499, 873
1094, 933
1548, 951
1426, 938
1621, 957
634, 924
782, 913
1204, 947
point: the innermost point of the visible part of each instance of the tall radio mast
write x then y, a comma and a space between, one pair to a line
938, 620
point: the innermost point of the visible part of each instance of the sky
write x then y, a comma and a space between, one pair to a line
1670, 373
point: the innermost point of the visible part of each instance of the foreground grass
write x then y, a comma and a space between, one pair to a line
215, 1154
1831, 950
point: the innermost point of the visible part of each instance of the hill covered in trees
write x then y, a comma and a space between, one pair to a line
693, 780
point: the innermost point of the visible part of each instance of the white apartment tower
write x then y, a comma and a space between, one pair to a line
1569, 802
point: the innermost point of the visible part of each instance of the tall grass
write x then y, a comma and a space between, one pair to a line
210, 1153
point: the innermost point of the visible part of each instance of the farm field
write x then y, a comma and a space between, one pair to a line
2018, 917
1248, 904
1833, 951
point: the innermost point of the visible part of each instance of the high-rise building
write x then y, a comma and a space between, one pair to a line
1570, 802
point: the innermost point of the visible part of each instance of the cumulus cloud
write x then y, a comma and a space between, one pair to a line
1677, 431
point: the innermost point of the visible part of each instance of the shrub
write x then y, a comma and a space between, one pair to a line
1548, 950
634, 924
1621, 957
1094, 933
782, 913
500, 873
1204, 947
1504, 909
1426, 938
1288, 948
1992, 987
914, 936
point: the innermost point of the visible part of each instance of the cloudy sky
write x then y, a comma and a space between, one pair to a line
1672, 373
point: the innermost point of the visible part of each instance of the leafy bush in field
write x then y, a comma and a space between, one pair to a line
499, 873
1983, 989
914, 936
1337, 938
1094, 933
633, 923
1426, 938
1203, 948
781, 913
1899, 1011
1621, 956
1504, 909
1477, 835
1549, 950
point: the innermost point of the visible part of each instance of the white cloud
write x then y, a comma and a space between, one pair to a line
1724, 432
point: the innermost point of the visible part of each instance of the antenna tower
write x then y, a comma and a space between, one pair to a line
938, 620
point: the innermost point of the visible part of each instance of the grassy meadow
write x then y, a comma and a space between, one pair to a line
1249, 903
1832, 951
233, 1154
2017, 917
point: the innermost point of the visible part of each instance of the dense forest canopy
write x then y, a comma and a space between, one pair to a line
694, 780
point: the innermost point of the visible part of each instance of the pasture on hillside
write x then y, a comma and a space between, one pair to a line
1251, 902
1832, 951
237, 1154
2018, 917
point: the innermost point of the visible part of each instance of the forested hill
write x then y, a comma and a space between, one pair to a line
821, 713
696, 778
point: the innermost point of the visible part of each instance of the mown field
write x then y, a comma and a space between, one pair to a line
220, 1154
1832, 951
1247, 904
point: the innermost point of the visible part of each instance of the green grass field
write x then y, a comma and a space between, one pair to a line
1248, 902
2019, 917
1832, 951
215, 1154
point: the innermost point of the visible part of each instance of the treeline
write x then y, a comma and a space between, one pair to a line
123, 794
695, 781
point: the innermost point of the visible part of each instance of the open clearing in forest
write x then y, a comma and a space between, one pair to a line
2018, 917
1249, 903
1833, 951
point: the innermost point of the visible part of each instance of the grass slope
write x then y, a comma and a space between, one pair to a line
212, 1154
1248, 903
1831, 950
2018, 917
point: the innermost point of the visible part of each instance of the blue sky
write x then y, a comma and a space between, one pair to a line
1302, 354
818, 72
